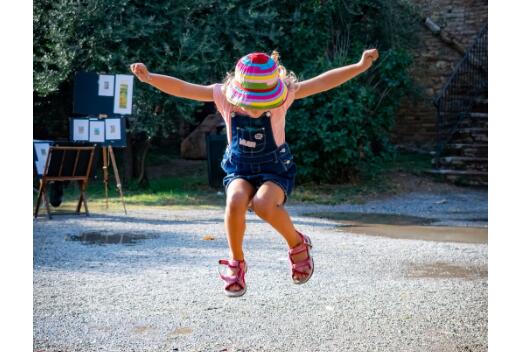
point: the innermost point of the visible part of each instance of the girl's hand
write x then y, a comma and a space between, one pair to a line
141, 72
368, 57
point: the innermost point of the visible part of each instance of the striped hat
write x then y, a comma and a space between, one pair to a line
257, 83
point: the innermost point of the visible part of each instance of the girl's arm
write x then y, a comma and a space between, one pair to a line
172, 85
335, 77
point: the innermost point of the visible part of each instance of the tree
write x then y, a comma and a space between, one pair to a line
201, 40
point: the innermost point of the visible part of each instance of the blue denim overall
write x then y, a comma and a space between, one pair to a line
254, 156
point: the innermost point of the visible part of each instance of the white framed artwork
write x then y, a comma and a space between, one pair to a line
124, 87
106, 85
80, 130
113, 129
97, 131
41, 151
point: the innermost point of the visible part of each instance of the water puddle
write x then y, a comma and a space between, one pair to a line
102, 238
447, 271
141, 329
182, 331
403, 227
374, 218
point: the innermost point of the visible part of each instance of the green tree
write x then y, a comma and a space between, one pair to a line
201, 40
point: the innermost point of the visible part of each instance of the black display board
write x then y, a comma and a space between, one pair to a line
103, 94
87, 101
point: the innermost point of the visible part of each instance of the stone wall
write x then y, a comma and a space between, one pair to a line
434, 62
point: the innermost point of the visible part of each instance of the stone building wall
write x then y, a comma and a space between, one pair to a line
434, 62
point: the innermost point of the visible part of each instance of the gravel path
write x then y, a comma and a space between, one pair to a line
163, 293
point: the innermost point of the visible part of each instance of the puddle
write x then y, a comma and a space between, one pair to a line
101, 238
141, 329
182, 331
446, 271
375, 218
404, 227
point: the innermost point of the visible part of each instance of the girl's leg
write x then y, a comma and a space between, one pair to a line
267, 204
238, 195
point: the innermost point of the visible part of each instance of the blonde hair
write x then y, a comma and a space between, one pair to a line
288, 77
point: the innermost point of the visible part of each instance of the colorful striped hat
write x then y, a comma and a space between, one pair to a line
257, 83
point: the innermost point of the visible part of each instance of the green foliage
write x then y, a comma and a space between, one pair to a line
332, 134
200, 40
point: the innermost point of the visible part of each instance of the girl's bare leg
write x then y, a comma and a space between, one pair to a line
267, 204
238, 195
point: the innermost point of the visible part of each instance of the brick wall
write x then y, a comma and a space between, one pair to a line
434, 62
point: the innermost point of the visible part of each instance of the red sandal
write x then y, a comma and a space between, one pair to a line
306, 245
238, 278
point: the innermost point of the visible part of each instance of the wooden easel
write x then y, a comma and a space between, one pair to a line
66, 164
109, 151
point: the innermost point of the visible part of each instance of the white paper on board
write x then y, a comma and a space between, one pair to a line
80, 129
113, 129
106, 85
123, 94
42, 150
40, 165
97, 131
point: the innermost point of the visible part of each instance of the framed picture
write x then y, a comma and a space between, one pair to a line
106, 85
40, 153
96, 131
80, 130
123, 97
113, 129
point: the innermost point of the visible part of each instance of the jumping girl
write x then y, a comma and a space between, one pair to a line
259, 166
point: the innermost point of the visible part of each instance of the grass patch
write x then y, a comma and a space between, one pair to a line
187, 185
374, 181
340, 193
171, 192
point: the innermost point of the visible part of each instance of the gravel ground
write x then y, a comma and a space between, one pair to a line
163, 293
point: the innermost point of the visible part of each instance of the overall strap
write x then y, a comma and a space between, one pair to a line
239, 120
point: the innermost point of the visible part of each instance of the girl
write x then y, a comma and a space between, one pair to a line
258, 163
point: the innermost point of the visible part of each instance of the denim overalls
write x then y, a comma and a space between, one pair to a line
253, 155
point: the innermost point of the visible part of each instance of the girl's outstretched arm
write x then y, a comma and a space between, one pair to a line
335, 77
172, 85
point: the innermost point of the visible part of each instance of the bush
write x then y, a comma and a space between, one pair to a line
333, 133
